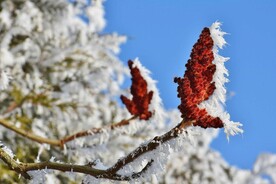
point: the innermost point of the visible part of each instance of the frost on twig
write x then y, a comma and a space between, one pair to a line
7, 150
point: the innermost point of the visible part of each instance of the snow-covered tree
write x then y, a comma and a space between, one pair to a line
62, 118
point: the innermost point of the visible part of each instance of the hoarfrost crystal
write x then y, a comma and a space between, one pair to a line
214, 105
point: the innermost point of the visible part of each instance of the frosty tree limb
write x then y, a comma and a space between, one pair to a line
23, 168
61, 142
153, 144
96, 130
110, 173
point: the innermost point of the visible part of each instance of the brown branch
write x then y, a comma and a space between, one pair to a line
153, 144
61, 142
12, 164
94, 131
110, 173
29, 135
11, 107
23, 168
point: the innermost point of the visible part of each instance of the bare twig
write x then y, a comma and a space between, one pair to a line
61, 142
12, 106
96, 130
29, 135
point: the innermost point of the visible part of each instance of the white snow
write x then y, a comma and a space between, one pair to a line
215, 104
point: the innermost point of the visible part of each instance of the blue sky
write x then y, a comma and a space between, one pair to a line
162, 32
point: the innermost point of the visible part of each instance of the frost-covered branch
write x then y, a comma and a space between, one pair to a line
94, 131
150, 146
23, 168
110, 173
